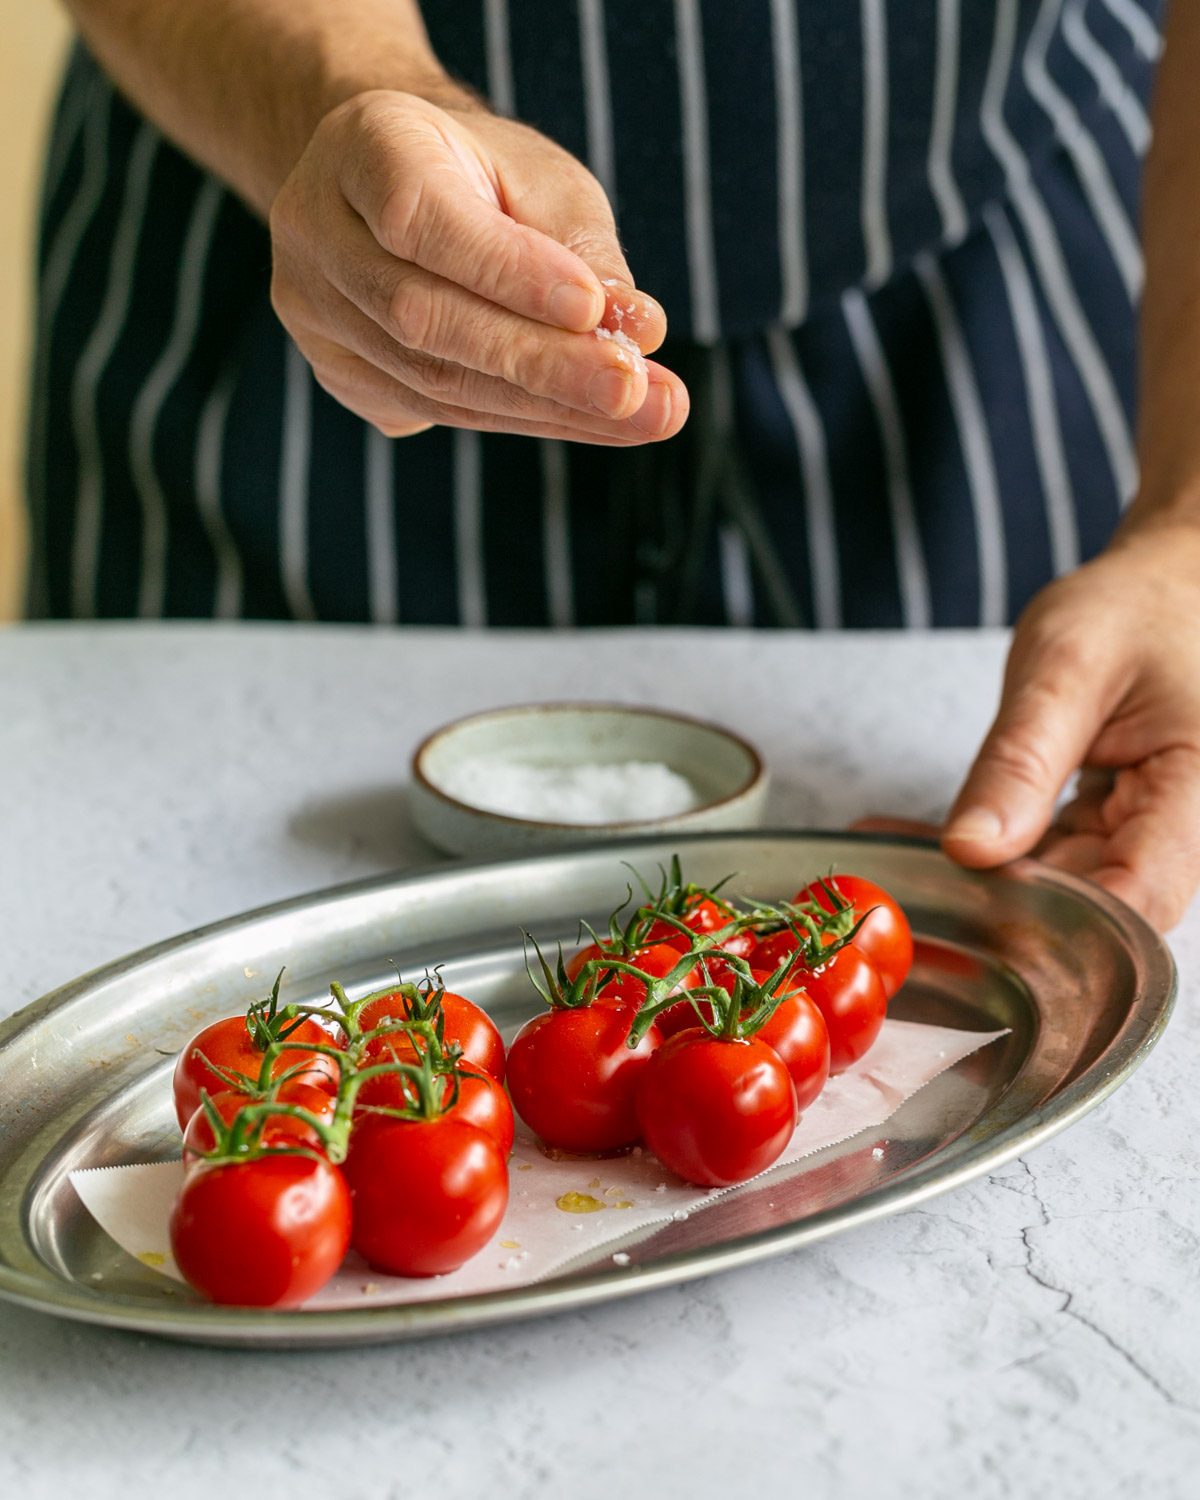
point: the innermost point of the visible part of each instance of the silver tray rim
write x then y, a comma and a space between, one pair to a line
1144, 1023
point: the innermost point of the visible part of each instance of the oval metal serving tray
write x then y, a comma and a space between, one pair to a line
1083, 984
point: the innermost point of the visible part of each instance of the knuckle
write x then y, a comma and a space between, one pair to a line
1061, 637
496, 269
590, 243
425, 210
417, 382
521, 361
512, 400
443, 380
403, 215
1064, 654
1020, 754
412, 313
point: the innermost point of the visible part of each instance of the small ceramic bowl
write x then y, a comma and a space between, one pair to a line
727, 772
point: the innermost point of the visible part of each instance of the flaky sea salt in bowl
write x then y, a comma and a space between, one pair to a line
550, 774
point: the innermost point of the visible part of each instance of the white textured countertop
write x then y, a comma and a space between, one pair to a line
1035, 1333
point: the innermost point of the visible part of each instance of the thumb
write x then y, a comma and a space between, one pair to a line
1053, 704
570, 206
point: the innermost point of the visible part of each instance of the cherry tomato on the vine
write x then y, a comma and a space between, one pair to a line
716, 1111
682, 1017
849, 994
573, 1079
796, 1030
277, 1130
657, 960
885, 936
228, 1045
584, 956
263, 1233
481, 1101
466, 1025
427, 1194
702, 916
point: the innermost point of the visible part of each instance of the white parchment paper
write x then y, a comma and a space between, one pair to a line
625, 1198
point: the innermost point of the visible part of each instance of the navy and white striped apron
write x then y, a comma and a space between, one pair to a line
896, 242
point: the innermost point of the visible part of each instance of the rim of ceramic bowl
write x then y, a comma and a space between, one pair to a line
757, 766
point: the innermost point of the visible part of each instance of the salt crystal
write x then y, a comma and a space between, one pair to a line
680, 1214
877, 1152
587, 793
622, 340
620, 1258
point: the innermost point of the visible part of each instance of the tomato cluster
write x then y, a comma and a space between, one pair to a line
699, 1026
380, 1124
705, 1028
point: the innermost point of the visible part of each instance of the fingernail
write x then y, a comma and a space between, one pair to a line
573, 306
978, 825
654, 414
608, 391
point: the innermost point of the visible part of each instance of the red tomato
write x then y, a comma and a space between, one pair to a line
573, 1079
884, 937
770, 951
681, 1017
278, 1130
716, 1112
741, 944
481, 1101
263, 1233
656, 960
229, 1046
428, 1194
584, 956
797, 1032
466, 1024
702, 916
850, 995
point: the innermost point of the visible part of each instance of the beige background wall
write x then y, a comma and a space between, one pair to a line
34, 35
